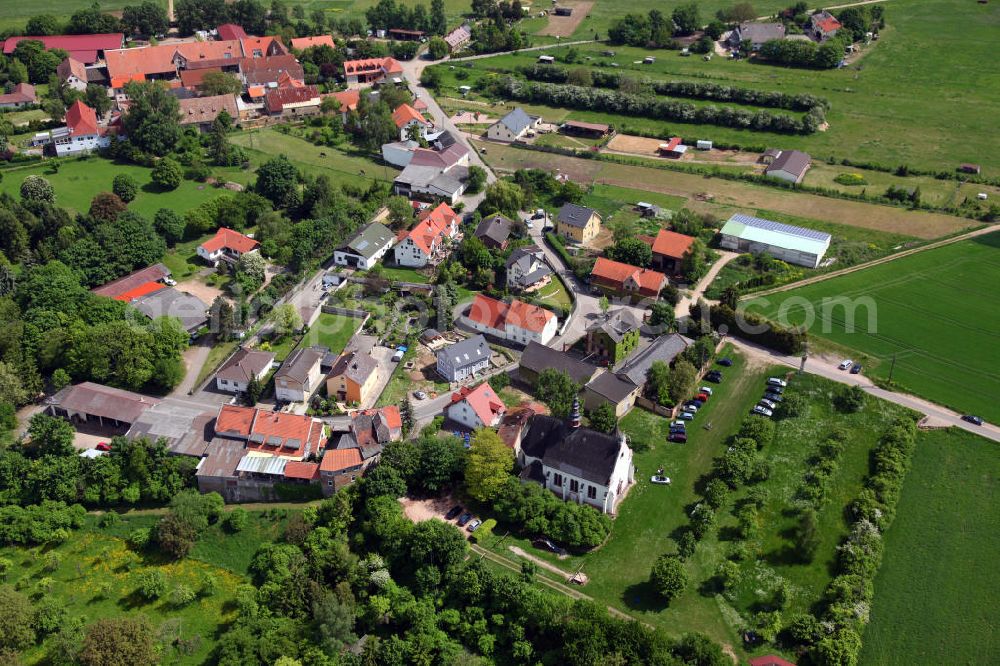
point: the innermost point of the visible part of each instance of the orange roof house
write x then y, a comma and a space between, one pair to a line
405, 114
432, 228
371, 70
517, 321
478, 407
348, 99
81, 120
669, 249
625, 278
303, 43
267, 432
226, 244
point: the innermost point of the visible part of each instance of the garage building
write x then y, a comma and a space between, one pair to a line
794, 245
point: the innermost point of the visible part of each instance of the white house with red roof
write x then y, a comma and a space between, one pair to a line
23, 94
427, 241
406, 117
478, 407
227, 245
627, 279
516, 321
82, 132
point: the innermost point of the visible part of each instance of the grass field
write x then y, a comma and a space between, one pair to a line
894, 106
554, 293
728, 196
937, 312
935, 600
78, 180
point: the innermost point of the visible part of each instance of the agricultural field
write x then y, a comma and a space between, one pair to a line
893, 106
934, 597
935, 313
723, 197
95, 576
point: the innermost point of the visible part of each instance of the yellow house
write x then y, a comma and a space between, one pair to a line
353, 378
578, 223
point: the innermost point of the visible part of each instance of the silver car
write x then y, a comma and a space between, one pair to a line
763, 411
764, 402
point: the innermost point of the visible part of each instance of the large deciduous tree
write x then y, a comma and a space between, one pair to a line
668, 576
277, 180
119, 642
153, 119
557, 390
488, 465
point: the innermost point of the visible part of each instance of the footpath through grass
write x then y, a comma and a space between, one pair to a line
936, 592
936, 312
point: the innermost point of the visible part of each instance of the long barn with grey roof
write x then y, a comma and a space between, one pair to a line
794, 245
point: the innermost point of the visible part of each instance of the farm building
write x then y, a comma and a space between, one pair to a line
406, 35
673, 149
755, 33
458, 38
795, 245
790, 165
592, 130
512, 126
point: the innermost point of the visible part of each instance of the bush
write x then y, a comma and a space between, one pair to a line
668, 576
850, 399
236, 520
167, 174
850, 179
139, 538
182, 595
125, 187
151, 584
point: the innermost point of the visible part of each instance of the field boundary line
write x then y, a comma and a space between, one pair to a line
875, 262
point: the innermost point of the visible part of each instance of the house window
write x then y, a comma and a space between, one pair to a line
557, 480
574, 485
591, 492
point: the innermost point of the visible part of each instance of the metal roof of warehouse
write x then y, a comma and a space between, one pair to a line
786, 236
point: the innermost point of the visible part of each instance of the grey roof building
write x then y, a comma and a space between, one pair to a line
494, 231
580, 452
242, 366
366, 246
170, 302
574, 215
756, 33
517, 121
790, 165
617, 324
526, 266
537, 358
187, 428
609, 386
464, 359
664, 348
88, 401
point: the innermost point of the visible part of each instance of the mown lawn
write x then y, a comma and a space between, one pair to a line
937, 313
331, 331
554, 293
936, 592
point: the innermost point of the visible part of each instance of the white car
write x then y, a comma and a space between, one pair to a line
170, 282
845, 364
707, 390
775, 381
530, 224
678, 424
763, 411
662, 480
686, 416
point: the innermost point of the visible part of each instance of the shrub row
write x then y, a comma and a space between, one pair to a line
648, 106
48, 522
765, 332
822, 466
690, 89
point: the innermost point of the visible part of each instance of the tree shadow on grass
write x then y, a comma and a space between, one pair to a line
133, 600
643, 596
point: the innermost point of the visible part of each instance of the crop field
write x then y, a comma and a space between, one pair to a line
729, 194
935, 594
936, 312
896, 105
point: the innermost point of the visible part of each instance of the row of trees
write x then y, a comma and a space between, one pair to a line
804, 53
649, 106
389, 14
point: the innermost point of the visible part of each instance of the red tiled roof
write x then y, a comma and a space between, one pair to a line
235, 420
72, 67
671, 244
81, 119
348, 99
650, 282
277, 99
488, 311
497, 314
828, 24
80, 47
338, 460
192, 78
673, 143
124, 64
207, 109
231, 31
255, 91
24, 93
138, 292
296, 469
278, 430
483, 400
371, 65
406, 113
286, 80
268, 46
262, 71
303, 43
529, 317
391, 414
232, 240
432, 226
612, 271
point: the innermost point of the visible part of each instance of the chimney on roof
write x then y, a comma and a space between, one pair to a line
574, 415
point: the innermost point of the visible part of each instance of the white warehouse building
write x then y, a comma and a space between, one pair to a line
793, 245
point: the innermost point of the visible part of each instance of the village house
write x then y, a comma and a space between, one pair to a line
366, 247
789, 165
621, 387
303, 43
202, 111
669, 250
170, 302
464, 359
478, 407
613, 337
292, 101
516, 322
513, 126
494, 231
23, 94
426, 242
458, 38
353, 378
73, 74
354, 451
537, 358
822, 26
577, 464
241, 368
578, 223
435, 173
272, 71
82, 133
791, 244
527, 269
347, 101
227, 245
625, 279
757, 34
372, 70
407, 118
300, 375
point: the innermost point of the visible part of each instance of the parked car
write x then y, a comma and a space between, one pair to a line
662, 480
764, 402
453, 511
545, 544
419, 395
103, 446
763, 411
974, 420
678, 424
775, 389
170, 282
691, 407
725, 361
845, 364
466, 517
856, 368
474, 525
702, 396
679, 437
714, 378
705, 389
687, 416
773, 397
530, 224
777, 381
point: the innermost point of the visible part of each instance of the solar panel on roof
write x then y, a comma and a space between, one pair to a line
292, 443
274, 440
257, 438
771, 225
